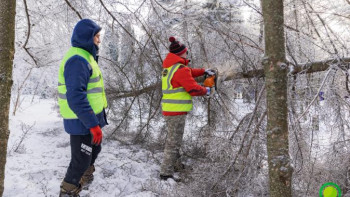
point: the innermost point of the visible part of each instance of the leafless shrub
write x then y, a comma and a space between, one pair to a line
18, 146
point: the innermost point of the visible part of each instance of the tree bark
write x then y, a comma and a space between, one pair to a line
7, 50
275, 67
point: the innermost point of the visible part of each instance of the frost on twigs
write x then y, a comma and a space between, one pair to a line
19, 147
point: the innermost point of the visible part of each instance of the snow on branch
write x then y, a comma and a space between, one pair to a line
304, 68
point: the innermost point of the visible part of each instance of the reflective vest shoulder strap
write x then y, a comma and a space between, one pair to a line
171, 73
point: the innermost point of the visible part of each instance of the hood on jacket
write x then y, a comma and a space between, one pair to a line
83, 36
172, 59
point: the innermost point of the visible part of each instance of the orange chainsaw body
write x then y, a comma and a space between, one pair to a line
210, 81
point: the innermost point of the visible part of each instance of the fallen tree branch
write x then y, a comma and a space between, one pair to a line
310, 67
125, 94
318, 66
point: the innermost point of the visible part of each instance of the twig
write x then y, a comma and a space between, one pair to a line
148, 120
239, 125
126, 114
17, 103
316, 95
28, 33
25, 129
70, 5
244, 137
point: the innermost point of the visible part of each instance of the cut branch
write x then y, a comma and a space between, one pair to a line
318, 66
232, 75
298, 69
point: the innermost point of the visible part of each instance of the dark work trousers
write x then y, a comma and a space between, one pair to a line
83, 154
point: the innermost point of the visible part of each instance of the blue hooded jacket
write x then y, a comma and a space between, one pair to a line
77, 74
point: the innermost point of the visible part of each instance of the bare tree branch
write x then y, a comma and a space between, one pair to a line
316, 95
253, 114
233, 75
70, 5
28, 33
125, 116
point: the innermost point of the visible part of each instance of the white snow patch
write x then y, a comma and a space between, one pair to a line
37, 162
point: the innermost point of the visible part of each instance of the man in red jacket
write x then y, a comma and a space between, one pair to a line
178, 87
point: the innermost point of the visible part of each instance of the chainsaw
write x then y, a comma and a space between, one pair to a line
211, 81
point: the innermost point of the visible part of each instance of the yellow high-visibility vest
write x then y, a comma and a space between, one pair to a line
174, 99
95, 88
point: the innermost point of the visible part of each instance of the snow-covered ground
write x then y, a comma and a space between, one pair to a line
39, 153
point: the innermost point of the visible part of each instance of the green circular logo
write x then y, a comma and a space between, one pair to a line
330, 190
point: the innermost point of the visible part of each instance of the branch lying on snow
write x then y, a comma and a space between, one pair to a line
227, 76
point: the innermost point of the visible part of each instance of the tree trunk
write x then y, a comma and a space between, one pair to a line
7, 50
280, 170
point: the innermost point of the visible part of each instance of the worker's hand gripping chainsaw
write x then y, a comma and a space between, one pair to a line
210, 81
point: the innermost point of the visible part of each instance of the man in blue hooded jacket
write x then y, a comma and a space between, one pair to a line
82, 103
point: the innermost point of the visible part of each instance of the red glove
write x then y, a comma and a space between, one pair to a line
96, 135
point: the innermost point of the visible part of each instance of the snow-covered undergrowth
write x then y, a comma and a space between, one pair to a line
39, 154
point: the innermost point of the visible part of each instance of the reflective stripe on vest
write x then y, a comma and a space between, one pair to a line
95, 88
174, 91
94, 80
174, 99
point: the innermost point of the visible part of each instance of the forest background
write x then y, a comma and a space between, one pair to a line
226, 141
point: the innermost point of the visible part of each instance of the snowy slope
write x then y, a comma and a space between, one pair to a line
37, 162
